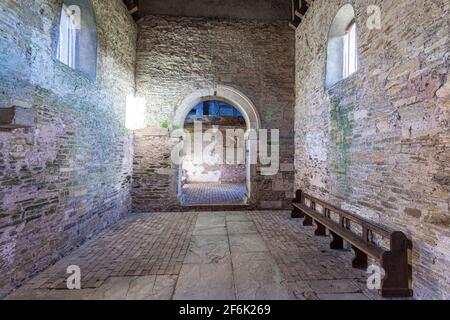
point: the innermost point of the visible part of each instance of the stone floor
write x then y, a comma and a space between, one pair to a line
213, 193
224, 255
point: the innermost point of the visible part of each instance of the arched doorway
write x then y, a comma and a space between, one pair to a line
244, 117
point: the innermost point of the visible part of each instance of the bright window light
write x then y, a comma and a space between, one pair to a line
135, 114
350, 52
67, 38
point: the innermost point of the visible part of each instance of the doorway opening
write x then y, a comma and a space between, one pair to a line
237, 100
209, 176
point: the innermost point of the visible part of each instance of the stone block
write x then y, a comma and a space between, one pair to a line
404, 69
17, 117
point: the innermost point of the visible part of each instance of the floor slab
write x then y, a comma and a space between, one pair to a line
113, 289
241, 227
236, 217
208, 249
210, 231
258, 277
245, 243
205, 282
210, 221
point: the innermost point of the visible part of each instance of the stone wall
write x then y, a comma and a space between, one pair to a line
69, 176
233, 173
177, 56
378, 142
154, 185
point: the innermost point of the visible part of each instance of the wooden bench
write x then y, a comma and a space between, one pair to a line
394, 261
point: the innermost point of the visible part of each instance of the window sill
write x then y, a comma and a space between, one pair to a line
77, 73
343, 82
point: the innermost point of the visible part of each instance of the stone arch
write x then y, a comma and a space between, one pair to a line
238, 100
224, 93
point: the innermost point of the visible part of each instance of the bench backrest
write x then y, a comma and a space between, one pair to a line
397, 239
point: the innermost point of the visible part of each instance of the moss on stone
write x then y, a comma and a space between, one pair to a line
413, 212
439, 220
341, 131
269, 115
341, 134
377, 148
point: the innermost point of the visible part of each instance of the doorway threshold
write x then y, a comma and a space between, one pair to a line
218, 207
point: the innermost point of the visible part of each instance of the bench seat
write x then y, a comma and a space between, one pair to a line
393, 261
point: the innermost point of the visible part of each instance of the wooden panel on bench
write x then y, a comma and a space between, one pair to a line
394, 261
352, 238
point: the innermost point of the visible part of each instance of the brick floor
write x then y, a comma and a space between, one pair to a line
150, 244
213, 193
155, 256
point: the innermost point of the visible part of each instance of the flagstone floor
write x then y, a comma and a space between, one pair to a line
217, 255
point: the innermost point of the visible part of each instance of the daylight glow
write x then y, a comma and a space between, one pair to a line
135, 114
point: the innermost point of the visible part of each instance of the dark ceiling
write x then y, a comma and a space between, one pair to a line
234, 9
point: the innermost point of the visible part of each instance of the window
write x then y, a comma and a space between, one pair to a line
342, 49
67, 37
77, 39
350, 51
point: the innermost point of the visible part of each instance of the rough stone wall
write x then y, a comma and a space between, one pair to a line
233, 173
69, 176
177, 56
378, 142
155, 187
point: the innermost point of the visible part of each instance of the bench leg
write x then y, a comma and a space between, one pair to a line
396, 281
308, 221
297, 213
337, 243
395, 265
360, 260
320, 231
